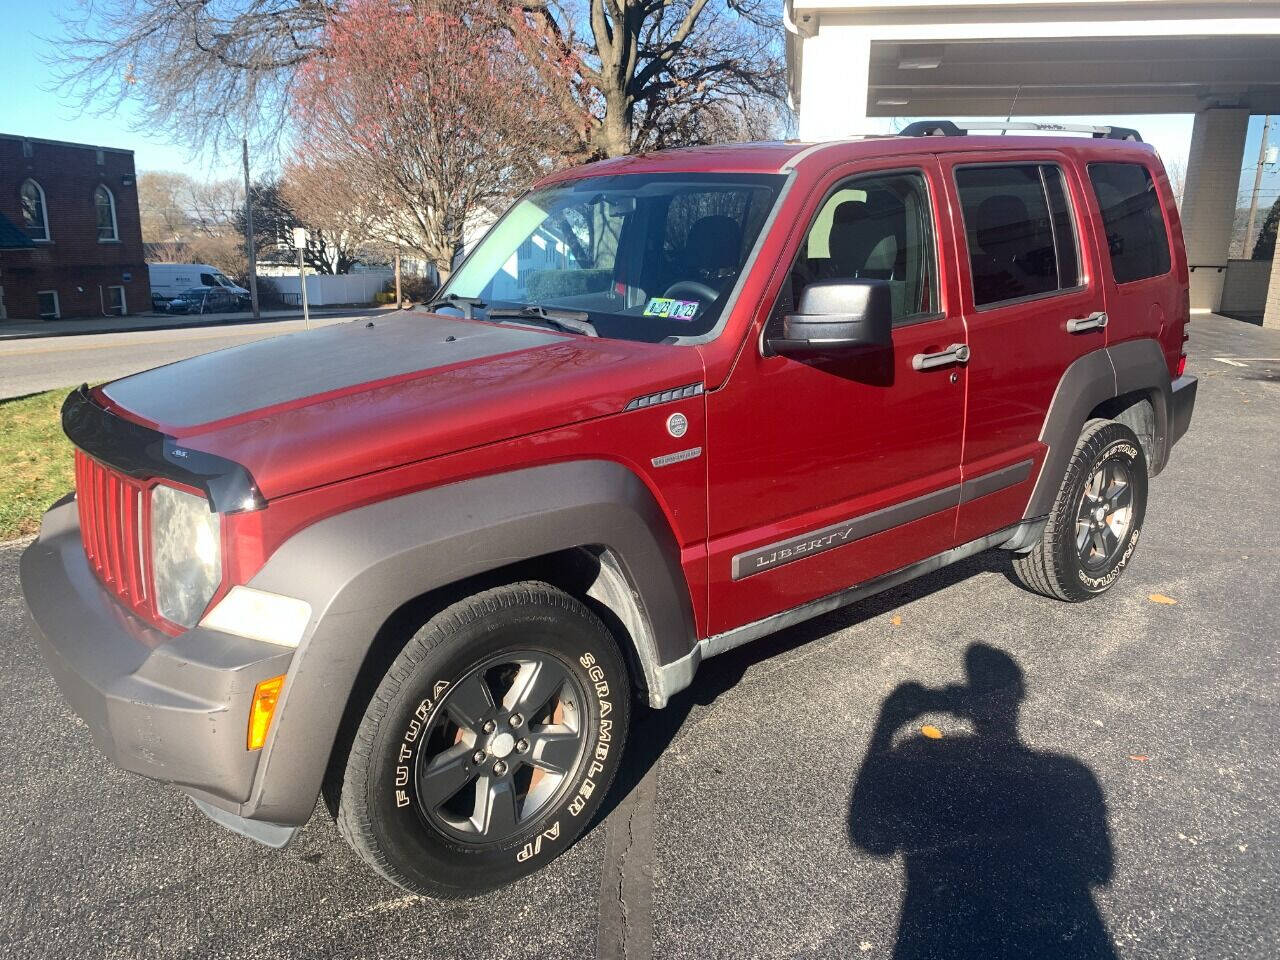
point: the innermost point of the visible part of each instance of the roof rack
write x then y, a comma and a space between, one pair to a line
946, 128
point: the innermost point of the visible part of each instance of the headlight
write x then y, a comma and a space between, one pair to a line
186, 554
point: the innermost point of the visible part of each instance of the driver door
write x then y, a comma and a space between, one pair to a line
828, 471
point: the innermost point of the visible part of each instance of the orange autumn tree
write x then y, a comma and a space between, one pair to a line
432, 111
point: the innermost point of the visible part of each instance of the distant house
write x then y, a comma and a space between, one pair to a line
70, 233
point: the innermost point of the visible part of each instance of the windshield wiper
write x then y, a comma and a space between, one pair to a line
572, 321
468, 305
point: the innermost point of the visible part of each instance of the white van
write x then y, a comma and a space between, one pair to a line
170, 279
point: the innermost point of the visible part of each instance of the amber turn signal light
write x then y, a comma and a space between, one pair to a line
265, 697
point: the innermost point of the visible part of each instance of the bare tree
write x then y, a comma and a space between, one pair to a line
432, 112
163, 203
342, 223
623, 74
647, 74
205, 72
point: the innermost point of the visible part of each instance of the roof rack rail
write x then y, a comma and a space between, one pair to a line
946, 128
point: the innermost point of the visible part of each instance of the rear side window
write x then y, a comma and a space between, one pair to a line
1136, 234
1021, 234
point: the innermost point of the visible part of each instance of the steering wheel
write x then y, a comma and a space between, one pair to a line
699, 290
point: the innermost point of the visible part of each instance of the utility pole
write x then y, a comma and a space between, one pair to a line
250, 244
399, 302
1257, 185
300, 241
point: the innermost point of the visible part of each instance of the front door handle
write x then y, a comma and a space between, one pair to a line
956, 353
1094, 321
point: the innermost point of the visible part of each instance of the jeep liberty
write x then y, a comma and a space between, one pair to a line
669, 404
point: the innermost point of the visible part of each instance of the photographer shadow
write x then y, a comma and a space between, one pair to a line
1002, 844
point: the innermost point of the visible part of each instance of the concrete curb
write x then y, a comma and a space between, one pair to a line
185, 324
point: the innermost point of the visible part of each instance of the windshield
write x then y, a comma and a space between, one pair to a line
644, 256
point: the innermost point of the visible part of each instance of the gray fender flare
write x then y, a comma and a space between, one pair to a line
1106, 373
357, 568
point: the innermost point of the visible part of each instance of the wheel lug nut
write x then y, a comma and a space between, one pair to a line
516, 719
478, 757
522, 745
490, 726
500, 768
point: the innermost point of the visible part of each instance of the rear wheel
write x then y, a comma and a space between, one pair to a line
1096, 520
489, 744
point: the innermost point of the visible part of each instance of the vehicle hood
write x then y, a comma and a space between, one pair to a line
316, 407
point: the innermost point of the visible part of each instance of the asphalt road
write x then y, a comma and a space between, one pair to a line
47, 363
1128, 809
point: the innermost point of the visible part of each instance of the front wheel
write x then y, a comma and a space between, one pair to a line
489, 744
1096, 520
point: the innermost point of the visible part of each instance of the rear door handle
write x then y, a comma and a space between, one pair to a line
956, 353
1094, 321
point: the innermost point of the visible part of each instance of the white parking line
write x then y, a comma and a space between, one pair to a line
1234, 363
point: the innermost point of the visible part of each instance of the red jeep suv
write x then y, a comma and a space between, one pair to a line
670, 403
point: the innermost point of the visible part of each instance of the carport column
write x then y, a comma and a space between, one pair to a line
835, 74
1271, 312
1209, 201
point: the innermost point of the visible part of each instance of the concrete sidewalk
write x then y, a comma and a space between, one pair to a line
24, 330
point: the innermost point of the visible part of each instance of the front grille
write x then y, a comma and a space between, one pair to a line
112, 530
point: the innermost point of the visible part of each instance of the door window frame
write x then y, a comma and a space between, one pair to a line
843, 182
124, 303
1084, 276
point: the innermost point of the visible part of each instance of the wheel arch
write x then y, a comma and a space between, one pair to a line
1120, 382
590, 527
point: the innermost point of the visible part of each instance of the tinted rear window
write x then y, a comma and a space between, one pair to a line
1136, 235
1020, 231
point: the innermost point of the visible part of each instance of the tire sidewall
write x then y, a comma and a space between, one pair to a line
1113, 441
428, 857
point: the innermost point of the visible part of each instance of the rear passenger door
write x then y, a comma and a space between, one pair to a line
1032, 302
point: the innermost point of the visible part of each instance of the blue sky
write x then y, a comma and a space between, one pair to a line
29, 107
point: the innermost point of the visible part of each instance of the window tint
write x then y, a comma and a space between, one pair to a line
1136, 235
1021, 235
876, 227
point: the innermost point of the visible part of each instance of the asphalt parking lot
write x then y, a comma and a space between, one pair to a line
1124, 805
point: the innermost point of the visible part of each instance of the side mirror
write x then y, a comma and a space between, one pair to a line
838, 316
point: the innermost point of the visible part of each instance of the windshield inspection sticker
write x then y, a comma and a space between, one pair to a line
671, 309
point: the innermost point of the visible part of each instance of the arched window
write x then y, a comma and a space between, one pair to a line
105, 205
34, 216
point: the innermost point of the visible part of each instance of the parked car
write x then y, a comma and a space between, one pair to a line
206, 300
171, 279
434, 557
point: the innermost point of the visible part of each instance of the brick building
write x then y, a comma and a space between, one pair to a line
70, 233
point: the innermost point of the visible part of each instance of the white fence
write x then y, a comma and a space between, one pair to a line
342, 288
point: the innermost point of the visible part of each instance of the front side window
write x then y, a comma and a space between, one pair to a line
643, 256
1020, 231
105, 205
874, 227
35, 217
1136, 234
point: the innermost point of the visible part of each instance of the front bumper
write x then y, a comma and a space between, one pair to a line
174, 709
1184, 401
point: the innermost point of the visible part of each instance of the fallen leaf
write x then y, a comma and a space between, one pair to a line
932, 732
895, 620
1142, 757
1161, 598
